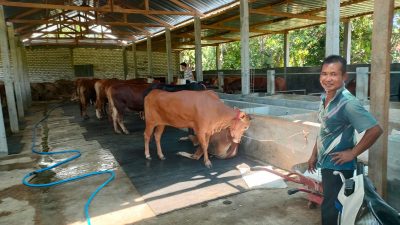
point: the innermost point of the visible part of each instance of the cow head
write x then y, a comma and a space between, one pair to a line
239, 124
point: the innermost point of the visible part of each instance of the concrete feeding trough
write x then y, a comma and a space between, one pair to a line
263, 109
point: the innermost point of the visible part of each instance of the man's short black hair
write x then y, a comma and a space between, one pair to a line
336, 59
184, 64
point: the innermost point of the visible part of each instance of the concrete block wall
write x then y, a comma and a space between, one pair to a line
51, 64
159, 64
107, 63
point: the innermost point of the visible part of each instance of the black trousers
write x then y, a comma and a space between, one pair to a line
331, 185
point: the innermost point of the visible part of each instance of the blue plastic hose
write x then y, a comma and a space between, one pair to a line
76, 155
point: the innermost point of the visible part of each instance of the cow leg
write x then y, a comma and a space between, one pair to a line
147, 136
204, 140
198, 154
115, 120
157, 135
98, 108
84, 109
120, 120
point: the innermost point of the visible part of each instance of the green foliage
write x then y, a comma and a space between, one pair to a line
307, 46
361, 43
230, 56
188, 57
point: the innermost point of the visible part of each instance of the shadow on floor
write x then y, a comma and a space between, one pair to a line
176, 180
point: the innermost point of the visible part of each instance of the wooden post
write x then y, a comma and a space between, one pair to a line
15, 72
380, 90
149, 57
8, 82
347, 42
134, 60
168, 47
245, 46
198, 53
332, 27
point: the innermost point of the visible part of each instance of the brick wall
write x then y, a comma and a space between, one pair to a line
51, 64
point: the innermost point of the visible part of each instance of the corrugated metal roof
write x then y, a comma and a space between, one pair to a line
131, 20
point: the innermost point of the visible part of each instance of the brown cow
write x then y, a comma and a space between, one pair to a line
86, 94
231, 85
101, 86
122, 97
221, 146
202, 111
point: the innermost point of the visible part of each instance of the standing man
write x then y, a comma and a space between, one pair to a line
340, 113
187, 73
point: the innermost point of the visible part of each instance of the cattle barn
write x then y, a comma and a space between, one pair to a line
85, 84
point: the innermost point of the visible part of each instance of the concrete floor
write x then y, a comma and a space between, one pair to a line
175, 191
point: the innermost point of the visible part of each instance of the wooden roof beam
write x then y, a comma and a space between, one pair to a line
286, 14
105, 9
26, 13
83, 23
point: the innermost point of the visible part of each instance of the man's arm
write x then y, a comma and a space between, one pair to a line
369, 138
312, 162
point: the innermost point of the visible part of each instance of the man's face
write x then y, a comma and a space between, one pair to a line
331, 77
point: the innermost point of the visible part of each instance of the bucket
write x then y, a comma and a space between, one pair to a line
181, 81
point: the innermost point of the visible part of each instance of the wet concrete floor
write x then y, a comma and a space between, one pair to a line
174, 191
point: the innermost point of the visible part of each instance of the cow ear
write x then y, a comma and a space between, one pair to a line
242, 115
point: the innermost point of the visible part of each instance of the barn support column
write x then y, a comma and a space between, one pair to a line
15, 72
332, 27
347, 42
380, 90
8, 81
168, 48
286, 52
245, 46
26, 76
271, 82
125, 62
22, 75
218, 63
3, 138
198, 54
362, 83
134, 60
149, 57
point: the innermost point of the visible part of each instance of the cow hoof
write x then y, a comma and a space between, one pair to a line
208, 164
162, 158
148, 157
118, 132
126, 132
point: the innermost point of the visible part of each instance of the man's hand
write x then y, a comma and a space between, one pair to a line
312, 164
342, 157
